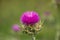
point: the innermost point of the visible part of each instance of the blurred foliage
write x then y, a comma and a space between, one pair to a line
11, 10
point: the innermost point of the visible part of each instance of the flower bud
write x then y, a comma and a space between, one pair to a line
15, 27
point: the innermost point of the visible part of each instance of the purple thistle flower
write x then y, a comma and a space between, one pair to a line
58, 1
46, 13
15, 27
30, 18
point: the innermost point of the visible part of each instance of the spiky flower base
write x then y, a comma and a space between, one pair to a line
32, 29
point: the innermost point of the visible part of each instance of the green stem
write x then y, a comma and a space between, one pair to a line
33, 37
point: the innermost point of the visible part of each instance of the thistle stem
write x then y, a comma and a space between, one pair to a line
33, 37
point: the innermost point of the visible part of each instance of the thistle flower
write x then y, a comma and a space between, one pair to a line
46, 13
15, 27
30, 18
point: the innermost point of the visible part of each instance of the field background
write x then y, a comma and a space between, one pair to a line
11, 10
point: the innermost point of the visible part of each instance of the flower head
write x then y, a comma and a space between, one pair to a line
15, 27
47, 13
30, 17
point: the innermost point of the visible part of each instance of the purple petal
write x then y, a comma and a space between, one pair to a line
29, 17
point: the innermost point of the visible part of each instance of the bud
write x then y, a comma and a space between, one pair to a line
15, 27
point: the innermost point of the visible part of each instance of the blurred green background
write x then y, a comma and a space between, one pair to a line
11, 10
